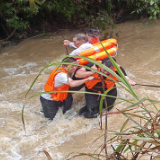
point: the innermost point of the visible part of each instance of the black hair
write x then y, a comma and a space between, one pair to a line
81, 36
94, 33
90, 64
107, 62
68, 59
114, 59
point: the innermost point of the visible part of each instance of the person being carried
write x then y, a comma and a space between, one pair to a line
93, 36
81, 42
91, 110
59, 80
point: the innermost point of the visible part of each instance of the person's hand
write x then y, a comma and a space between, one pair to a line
131, 82
66, 43
94, 67
90, 78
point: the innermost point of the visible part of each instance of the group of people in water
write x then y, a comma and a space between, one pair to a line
69, 77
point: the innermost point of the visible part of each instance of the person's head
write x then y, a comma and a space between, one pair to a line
79, 39
67, 66
93, 35
108, 64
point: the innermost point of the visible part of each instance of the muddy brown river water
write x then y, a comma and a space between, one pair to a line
139, 54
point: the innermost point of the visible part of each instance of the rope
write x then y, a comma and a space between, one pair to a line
148, 85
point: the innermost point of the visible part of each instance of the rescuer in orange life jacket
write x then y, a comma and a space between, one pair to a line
91, 110
59, 80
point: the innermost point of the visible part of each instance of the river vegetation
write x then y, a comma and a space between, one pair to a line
26, 18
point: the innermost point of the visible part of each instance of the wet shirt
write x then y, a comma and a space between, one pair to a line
71, 44
83, 47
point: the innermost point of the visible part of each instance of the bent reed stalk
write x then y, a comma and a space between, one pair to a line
138, 139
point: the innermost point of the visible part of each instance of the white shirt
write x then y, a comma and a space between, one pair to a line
83, 47
71, 44
60, 80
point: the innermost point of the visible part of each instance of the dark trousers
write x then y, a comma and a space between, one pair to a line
50, 107
93, 101
77, 88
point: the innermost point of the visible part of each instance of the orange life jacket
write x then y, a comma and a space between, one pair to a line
99, 56
108, 81
107, 44
59, 96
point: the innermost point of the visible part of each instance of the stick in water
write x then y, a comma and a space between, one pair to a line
148, 85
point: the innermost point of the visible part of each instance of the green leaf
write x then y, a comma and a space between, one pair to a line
121, 146
151, 3
124, 124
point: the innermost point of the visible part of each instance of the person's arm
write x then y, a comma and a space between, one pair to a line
67, 43
124, 72
62, 78
76, 52
82, 73
76, 83
131, 82
71, 44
